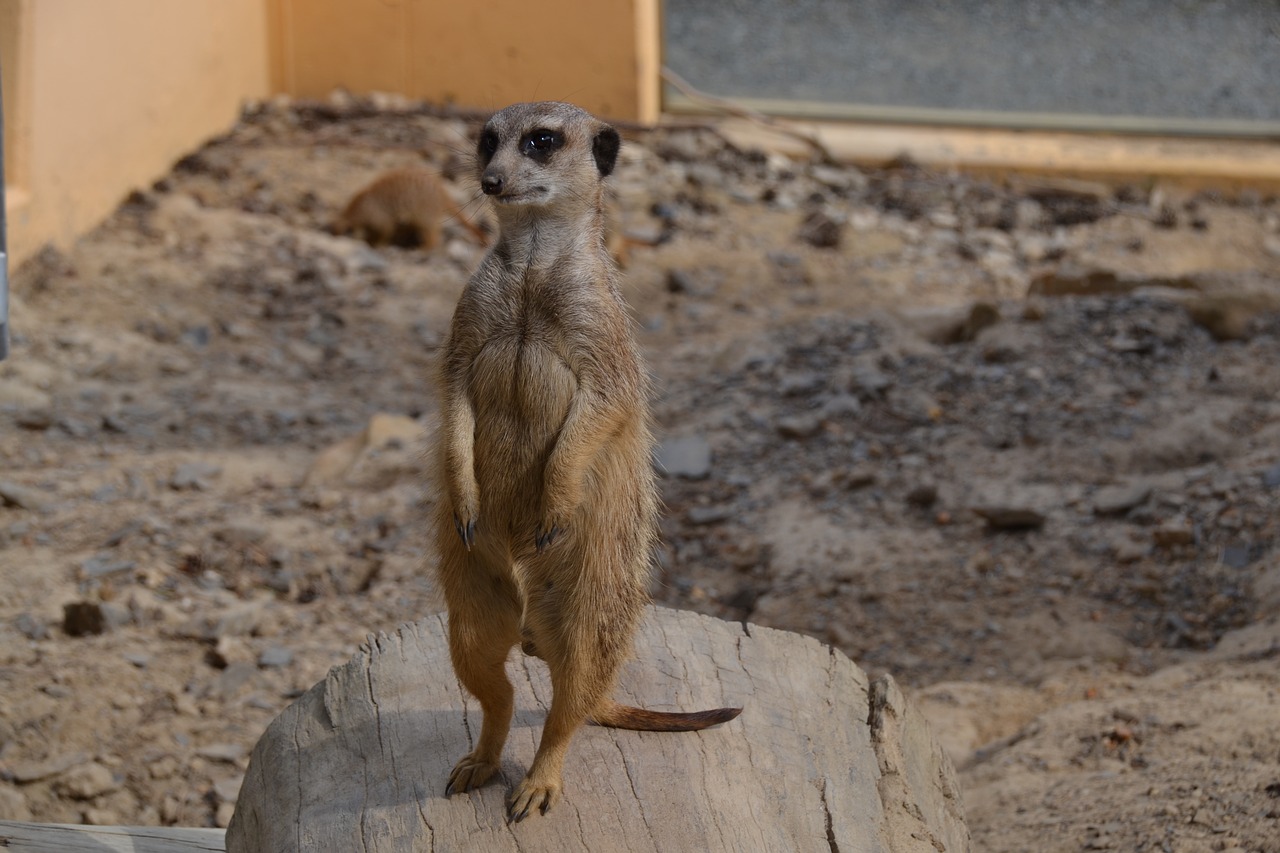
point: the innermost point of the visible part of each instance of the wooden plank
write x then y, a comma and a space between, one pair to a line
360, 761
17, 837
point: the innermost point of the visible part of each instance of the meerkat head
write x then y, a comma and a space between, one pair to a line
544, 154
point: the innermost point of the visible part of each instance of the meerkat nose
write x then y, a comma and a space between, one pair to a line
491, 184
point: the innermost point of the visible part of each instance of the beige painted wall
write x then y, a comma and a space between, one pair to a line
601, 54
102, 96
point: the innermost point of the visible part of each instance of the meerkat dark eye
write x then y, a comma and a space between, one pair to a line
487, 145
541, 143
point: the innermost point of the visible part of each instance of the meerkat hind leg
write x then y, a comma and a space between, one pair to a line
581, 676
483, 626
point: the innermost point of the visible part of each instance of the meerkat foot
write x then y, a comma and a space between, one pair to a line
532, 795
470, 772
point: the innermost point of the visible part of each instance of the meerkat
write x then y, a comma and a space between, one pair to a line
548, 511
402, 208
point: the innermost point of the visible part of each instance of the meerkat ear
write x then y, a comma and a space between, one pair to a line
605, 149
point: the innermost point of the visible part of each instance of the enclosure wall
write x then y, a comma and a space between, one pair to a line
602, 55
101, 96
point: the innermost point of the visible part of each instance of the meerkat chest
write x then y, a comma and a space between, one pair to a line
521, 373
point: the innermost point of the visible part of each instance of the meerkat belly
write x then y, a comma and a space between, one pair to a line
521, 390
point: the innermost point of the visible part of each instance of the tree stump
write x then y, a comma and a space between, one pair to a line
819, 759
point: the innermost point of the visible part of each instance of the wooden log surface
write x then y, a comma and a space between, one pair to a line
21, 837
819, 759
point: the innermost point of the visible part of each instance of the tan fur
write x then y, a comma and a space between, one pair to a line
549, 511
404, 208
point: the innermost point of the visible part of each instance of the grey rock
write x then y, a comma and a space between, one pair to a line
87, 781
139, 659
1237, 555
821, 230
699, 282
101, 565
685, 456
923, 495
1010, 517
841, 405
32, 627
35, 419
194, 475
1271, 477
13, 804
709, 514
1120, 498
275, 656
11, 494
228, 752
34, 772
798, 426
869, 381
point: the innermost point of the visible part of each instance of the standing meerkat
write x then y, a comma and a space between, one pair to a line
402, 208
548, 512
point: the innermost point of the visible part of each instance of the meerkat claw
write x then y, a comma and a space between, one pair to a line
466, 532
545, 537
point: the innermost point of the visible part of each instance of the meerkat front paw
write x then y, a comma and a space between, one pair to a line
545, 535
532, 795
470, 772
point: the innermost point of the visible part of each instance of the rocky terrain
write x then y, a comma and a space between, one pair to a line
1016, 442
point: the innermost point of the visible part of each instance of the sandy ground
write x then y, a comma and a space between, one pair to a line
1052, 517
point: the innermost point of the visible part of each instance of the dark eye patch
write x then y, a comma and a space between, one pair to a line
541, 143
487, 145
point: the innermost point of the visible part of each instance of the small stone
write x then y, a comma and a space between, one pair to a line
83, 619
35, 419
821, 230
1271, 477
1010, 517
139, 659
1237, 555
1174, 533
685, 456
275, 656
228, 752
195, 476
31, 627
24, 773
798, 426
869, 381
102, 565
13, 804
11, 494
101, 817
228, 789
86, 781
923, 495
701, 282
1113, 500
709, 514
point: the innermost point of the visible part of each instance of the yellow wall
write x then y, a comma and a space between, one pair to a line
101, 96
601, 54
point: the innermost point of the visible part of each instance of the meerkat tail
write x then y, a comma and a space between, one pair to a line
617, 716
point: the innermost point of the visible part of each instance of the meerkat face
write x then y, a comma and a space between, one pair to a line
539, 155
